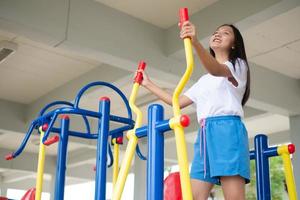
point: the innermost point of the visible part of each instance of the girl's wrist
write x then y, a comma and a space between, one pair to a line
195, 42
147, 84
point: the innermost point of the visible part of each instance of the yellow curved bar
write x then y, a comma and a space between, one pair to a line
179, 132
40, 170
288, 171
133, 140
116, 162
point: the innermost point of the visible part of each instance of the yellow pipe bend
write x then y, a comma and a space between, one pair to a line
179, 131
132, 143
40, 169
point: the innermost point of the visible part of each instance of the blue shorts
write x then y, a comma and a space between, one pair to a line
221, 149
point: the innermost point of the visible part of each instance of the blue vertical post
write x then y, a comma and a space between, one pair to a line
101, 158
155, 162
62, 158
262, 168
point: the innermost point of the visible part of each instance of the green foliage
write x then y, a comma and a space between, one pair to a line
276, 177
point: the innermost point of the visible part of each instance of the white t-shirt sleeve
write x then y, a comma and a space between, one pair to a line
239, 72
191, 92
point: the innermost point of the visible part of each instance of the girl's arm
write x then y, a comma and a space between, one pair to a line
162, 94
210, 63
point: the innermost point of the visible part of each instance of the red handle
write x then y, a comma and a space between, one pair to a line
45, 127
291, 148
119, 140
184, 16
139, 75
51, 140
9, 156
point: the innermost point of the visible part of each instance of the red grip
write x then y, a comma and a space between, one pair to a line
119, 140
9, 156
184, 16
51, 140
291, 148
45, 127
139, 75
184, 120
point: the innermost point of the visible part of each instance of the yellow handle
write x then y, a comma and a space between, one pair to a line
179, 132
40, 170
116, 162
132, 143
288, 171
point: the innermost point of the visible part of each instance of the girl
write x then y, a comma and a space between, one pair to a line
221, 154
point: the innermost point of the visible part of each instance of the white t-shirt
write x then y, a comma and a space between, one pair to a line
217, 96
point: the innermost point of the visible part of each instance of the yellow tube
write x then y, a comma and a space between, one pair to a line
179, 132
288, 171
116, 162
132, 143
40, 170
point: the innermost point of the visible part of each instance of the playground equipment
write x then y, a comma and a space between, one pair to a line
261, 154
131, 135
176, 123
47, 120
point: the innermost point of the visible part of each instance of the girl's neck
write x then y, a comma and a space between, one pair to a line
221, 56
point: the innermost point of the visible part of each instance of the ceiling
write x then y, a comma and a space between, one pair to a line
36, 69
156, 12
275, 43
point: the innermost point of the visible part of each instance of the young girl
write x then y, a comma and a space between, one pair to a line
221, 154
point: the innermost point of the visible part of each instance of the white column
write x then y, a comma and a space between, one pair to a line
51, 189
140, 173
3, 189
295, 139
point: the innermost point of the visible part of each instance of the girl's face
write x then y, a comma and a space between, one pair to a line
222, 39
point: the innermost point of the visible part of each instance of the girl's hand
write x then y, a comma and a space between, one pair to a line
188, 30
146, 80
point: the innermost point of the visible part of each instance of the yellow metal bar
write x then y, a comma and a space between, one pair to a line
116, 162
179, 132
132, 143
40, 170
288, 171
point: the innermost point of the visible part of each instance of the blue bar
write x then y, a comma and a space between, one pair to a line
162, 126
101, 158
141, 132
61, 160
155, 163
252, 155
271, 152
262, 168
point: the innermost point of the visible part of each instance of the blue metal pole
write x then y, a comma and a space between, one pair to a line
262, 168
62, 158
101, 159
155, 162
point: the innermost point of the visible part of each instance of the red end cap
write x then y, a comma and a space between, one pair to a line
142, 65
139, 75
184, 16
65, 117
9, 156
291, 148
104, 99
94, 168
185, 120
51, 140
45, 127
119, 140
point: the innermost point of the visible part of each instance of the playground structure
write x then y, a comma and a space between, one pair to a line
155, 130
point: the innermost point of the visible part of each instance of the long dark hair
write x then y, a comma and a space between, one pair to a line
238, 52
